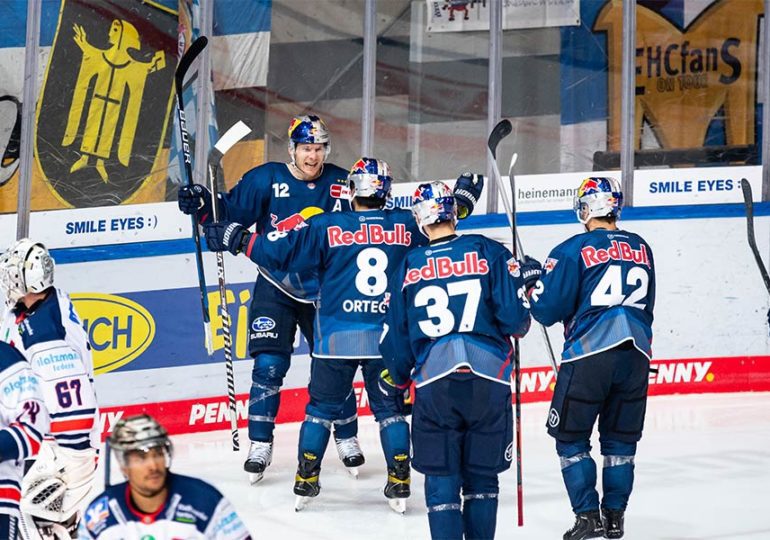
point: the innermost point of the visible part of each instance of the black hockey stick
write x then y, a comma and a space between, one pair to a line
748, 202
227, 141
107, 463
196, 48
512, 180
499, 132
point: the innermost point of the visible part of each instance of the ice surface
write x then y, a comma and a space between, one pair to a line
702, 472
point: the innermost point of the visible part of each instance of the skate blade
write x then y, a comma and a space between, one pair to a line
397, 505
301, 502
353, 471
255, 478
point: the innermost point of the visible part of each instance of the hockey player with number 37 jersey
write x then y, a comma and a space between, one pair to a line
453, 307
601, 285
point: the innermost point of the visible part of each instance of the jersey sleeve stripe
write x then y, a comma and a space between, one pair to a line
77, 424
29, 436
82, 412
10, 494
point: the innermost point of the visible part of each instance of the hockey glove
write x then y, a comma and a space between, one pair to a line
531, 270
195, 200
393, 394
226, 236
467, 193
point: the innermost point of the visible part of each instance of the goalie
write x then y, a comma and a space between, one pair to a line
41, 323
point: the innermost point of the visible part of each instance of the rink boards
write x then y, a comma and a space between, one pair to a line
140, 302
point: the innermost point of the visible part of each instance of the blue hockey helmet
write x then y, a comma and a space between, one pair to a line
308, 129
370, 178
598, 197
434, 202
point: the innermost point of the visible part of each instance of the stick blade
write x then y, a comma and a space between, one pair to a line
748, 198
195, 49
232, 136
499, 132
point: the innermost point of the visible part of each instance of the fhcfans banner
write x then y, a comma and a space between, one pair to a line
688, 77
463, 15
104, 107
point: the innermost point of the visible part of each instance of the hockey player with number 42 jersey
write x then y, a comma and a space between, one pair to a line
601, 285
355, 254
453, 307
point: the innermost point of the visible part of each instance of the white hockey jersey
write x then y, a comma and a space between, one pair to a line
23, 423
51, 336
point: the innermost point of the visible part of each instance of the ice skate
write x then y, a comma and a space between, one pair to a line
613, 523
398, 489
260, 456
350, 454
587, 525
306, 484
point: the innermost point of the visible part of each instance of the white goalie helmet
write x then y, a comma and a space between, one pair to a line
26, 267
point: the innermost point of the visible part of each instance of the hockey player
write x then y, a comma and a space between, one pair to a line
23, 423
42, 324
279, 197
154, 502
355, 254
601, 285
453, 307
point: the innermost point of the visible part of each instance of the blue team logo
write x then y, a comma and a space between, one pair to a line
262, 324
97, 514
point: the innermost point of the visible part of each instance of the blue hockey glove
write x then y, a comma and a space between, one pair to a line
531, 270
467, 193
195, 200
226, 236
394, 394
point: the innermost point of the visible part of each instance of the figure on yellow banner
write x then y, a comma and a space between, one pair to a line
118, 83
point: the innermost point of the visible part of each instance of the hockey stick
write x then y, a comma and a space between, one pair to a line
185, 62
748, 202
107, 463
499, 132
512, 180
227, 141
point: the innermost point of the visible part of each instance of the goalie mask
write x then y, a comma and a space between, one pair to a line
434, 203
598, 197
26, 267
140, 433
370, 178
309, 129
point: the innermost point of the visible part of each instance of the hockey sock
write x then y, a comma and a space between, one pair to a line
617, 474
347, 425
579, 472
394, 437
264, 396
314, 436
442, 497
479, 506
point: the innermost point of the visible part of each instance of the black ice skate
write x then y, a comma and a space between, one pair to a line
613, 523
260, 456
350, 454
306, 484
397, 490
587, 525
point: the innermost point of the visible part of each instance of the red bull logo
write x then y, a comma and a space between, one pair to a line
294, 221
588, 186
445, 267
618, 251
369, 234
359, 167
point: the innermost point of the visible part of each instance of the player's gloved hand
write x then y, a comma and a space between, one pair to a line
531, 270
195, 200
226, 236
394, 394
467, 193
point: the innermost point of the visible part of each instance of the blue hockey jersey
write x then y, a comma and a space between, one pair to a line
601, 285
454, 304
355, 254
193, 510
272, 198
